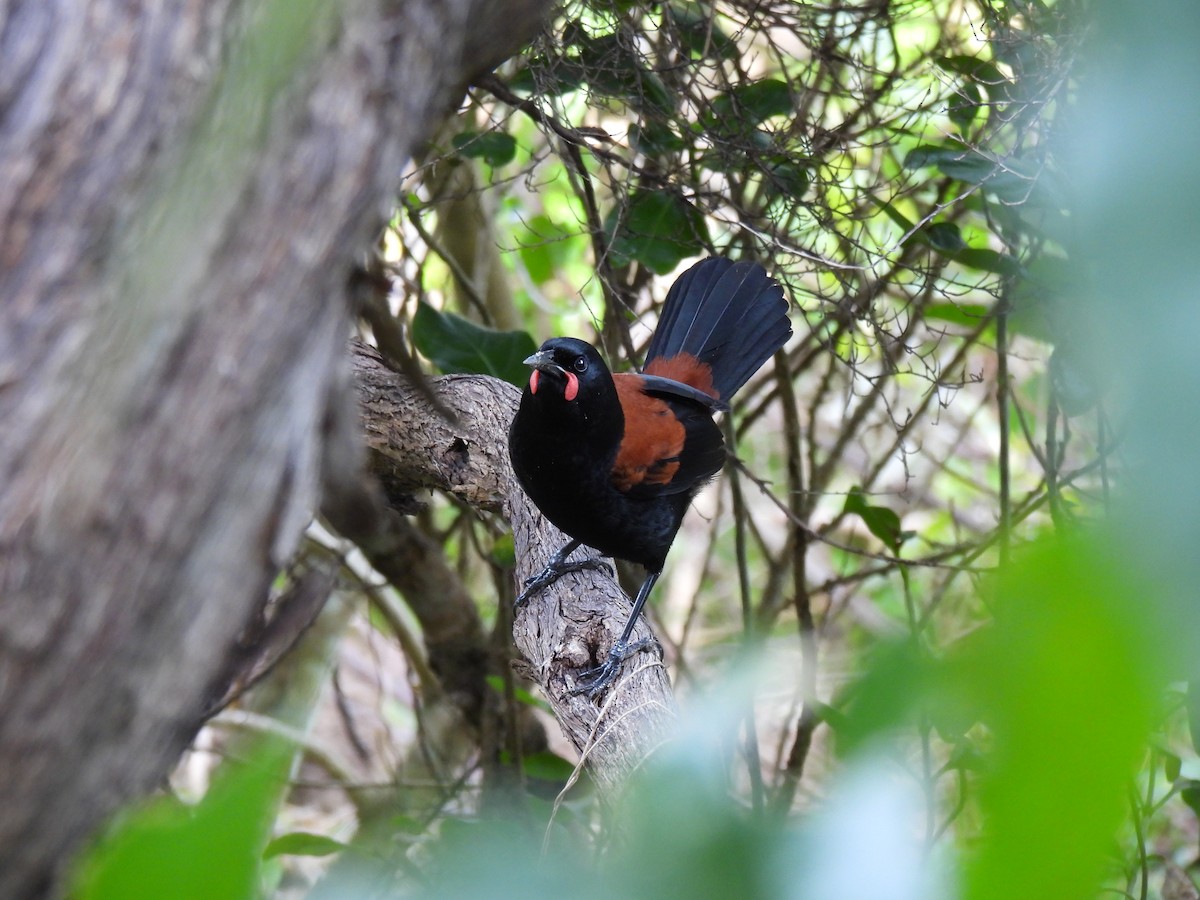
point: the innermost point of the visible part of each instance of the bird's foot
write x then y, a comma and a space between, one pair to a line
554, 570
593, 681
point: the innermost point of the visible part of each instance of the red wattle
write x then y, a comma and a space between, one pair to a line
572, 390
533, 381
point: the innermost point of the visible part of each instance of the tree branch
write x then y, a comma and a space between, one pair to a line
570, 625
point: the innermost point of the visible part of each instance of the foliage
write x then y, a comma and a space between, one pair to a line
167, 849
964, 676
455, 344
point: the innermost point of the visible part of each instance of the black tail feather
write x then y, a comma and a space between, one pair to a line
730, 316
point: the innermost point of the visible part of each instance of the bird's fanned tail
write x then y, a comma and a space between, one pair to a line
729, 316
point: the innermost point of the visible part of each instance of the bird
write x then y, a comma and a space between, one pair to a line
614, 460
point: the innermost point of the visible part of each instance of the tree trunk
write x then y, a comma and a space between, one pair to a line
184, 188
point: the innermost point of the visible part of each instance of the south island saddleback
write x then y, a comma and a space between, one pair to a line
614, 460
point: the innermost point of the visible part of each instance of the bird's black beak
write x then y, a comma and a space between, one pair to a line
543, 360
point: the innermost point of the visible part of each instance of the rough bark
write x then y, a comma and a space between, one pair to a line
570, 625
184, 188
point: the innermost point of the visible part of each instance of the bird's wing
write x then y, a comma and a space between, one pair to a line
669, 388
671, 444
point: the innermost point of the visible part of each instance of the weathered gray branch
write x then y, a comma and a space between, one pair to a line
572, 623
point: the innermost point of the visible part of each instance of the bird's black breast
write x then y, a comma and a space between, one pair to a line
566, 470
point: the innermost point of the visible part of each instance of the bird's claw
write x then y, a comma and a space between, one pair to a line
555, 570
592, 681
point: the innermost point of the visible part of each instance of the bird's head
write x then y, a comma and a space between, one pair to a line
567, 368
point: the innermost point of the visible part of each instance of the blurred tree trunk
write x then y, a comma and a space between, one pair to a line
184, 188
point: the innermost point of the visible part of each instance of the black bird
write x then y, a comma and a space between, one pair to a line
614, 460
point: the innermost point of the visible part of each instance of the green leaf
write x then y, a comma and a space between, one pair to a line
302, 843
966, 314
965, 106
787, 177
1193, 713
945, 236
987, 261
454, 344
613, 67
1008, 179
658, 229
547, 766
754, 103
1076, 388
967, 758
546, 247
494, 147
979, 71
902, 221
496, 683
1189, 791
167, 849
652, 94
1172, 765
962, 163
699, 34
555, 76
881, 521
504, 552
1072, 652
898, 677
655, 138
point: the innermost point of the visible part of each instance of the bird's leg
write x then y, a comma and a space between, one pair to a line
593, 681
557, 567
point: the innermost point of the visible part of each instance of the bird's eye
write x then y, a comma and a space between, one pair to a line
580, 364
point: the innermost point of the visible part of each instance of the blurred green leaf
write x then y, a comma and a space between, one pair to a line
966, 314
700, 34
902, 221
504, 552
302, 843
555, 76
963, 163
659, 229
966, 106
980, 71
547, 766
496, 683
945, 236
546, 247
1189, 792
494, 147
655, 138
1008, 179
454, 345
897, 681
880, 521
787, 176
687, 839
167, 849
751, 104
492, 860
1193, 714
613, 67
988, 261
1070, 655
1172, 765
